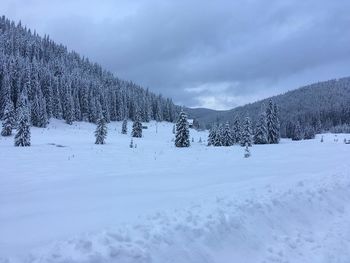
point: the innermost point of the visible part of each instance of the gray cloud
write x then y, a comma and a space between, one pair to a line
216, 54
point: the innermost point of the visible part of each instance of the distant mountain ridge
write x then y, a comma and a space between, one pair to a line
327, 103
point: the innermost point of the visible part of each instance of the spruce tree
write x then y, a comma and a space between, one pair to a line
22, 137
236, 131
246, 137
9, 119
69, 110
309, 133
297, 134
218, 136
137, 126
260, 135
23, 105
211, 136
227, 139
125, 126
318, 125
38, 110
272, 124
101, 131
277, 121
182, 131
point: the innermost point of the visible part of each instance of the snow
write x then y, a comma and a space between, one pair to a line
66, 199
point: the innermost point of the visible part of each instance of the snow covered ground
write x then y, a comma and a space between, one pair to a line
67, 200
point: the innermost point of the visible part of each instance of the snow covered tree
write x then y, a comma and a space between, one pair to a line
125, 126
68, 104
227, 139
23, 105
22, 137
39, 114
101, 131
246, 137
218, 136
212, 134
236, 131
318, 125
309, 133
8, 119
260, 135
297, 134
182, 137
277, 121
56, 101
272, 124
137, 127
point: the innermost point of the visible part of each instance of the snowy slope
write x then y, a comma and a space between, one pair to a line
81, 202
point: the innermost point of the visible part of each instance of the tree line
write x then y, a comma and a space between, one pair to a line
266, 130
53, 82
316, 108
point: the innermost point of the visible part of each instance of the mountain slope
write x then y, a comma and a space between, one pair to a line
327, 103
61, 84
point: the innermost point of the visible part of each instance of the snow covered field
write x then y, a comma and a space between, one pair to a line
66, 199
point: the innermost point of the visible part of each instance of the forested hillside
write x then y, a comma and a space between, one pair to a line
322, 106
61, 84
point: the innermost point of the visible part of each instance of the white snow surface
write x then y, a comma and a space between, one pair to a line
65, 199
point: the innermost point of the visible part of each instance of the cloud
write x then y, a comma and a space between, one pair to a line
217, 54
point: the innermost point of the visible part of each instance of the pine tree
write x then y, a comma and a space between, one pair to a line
318, 126
23, 105
260, 136
309, 133
9, 119
182, 131
212, 134
56, 101
125, 126
277, 121
68, 107
236, 131
218, 136
39, 114
297, 134
246, 138
101, 131
137, 126
22, 137
272, 124
227, 139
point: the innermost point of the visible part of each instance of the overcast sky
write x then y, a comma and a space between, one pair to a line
214, 54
